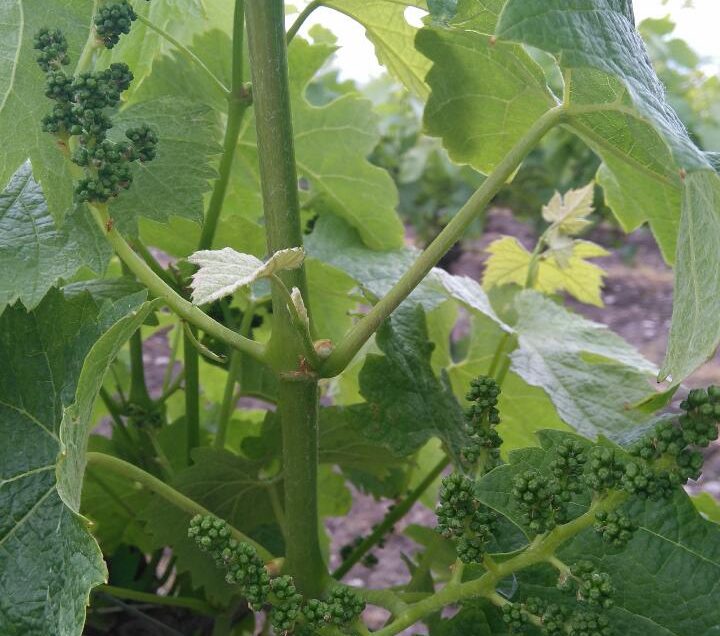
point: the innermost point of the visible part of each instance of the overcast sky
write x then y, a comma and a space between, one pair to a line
698, 25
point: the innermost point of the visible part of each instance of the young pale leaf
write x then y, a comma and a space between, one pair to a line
222, 272
49, 561
557, 270
568, 212
34, 252
299, 305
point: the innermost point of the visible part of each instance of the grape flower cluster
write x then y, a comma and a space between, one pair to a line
289, 611
82, 103
579, 474
481, 419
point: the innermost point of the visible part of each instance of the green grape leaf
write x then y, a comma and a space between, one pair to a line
615, 49
49, 561
476, 618
180, 237
334, 497
22, 101
173, 184
387, 28
229, 487
406, 403
495, 488
35, 254
695, 326
524, 409
673, 543
341, 444
331, 300
334, 175
485, 95
335, 242
579, 364
103, 288
707, 506
173, 74
617, 105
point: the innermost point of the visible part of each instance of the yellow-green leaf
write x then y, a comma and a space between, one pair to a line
569, 211
567, 271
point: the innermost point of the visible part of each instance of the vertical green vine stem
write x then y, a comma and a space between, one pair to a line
239, 100
192, 394
298, 388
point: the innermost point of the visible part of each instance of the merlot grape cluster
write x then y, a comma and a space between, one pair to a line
463, 518
289, 611
82, 103
481, 419
545, 495
240, 560
113, 20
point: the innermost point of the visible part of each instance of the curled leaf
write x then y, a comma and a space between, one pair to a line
222, 272
299, 304
568, 212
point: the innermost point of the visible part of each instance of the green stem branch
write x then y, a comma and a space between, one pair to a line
192, 393
177, 303
397, 513
239, 100
194, 604
300, 20
537, 552
152, 483
152, 263
363, 329
233, 379
87, 56
138, 393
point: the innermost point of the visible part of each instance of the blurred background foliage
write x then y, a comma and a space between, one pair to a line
432, 188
